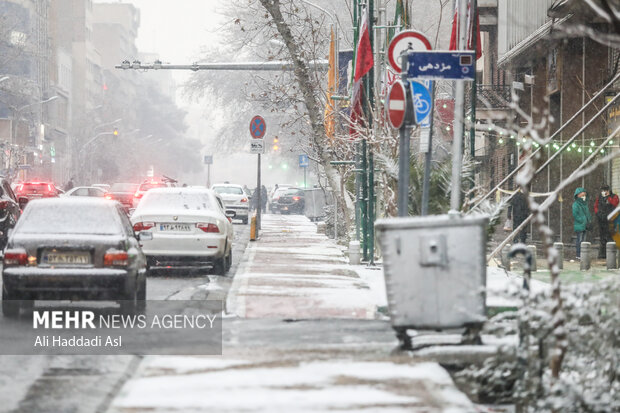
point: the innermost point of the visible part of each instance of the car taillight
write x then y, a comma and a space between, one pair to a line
49, 188
15, 257
107, 196
213, 228
244, 200
137, 195
296, 198
116, 259
143, 226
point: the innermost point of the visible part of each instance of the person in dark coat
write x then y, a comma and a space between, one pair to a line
255, 199
605, 203
519, 211
69, 185
582, 218
263, 198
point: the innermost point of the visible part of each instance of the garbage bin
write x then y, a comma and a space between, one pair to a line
435, 270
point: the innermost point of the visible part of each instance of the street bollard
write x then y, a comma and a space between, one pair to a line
611, 255
585, 256
532, 250
253, 232
505, 258
354, 253
559, 246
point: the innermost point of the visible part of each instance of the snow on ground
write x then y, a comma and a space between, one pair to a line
305, 387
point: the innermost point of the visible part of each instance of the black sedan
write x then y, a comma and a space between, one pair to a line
73, 249
291, 202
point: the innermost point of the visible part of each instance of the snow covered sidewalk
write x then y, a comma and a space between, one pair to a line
294, 273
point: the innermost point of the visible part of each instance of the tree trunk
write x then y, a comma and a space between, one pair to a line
302, 74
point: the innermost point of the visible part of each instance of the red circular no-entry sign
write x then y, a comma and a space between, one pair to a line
396, 104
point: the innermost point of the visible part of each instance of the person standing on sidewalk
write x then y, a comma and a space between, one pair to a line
519, 211
582, 218
605, 203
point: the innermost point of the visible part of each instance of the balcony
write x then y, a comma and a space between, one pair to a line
492, 102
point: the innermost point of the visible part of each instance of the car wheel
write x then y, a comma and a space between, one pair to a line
141, 294
10, 307
220, 266
229, 261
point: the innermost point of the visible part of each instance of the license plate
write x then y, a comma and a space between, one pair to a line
66, 258
175, 227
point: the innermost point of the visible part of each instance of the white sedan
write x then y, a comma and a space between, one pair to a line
235, 200
189, 226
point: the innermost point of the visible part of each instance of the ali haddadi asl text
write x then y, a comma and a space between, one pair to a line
78, 341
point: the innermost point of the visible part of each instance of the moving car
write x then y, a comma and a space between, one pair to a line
235, 200
292, 201
190, 229
123, 193
92, 191
9, 210
36, 190
73, 248
145, 186
275, 196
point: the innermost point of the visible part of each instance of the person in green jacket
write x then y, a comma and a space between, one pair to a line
582, 217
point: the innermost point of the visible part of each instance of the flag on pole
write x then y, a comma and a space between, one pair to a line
329, 121
364, 61
470, 32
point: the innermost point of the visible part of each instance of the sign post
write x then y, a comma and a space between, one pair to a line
304, 162
258, 127
208, 161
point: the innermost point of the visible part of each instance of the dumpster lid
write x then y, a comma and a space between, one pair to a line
431, 221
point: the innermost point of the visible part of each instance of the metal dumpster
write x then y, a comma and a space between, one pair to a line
315, 201
435, 270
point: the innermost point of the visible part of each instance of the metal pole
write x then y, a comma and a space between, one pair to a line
403, 146
472, 127
305, 186
371, 207
428, 158
457, 142
209, 176
258, 200
364, 204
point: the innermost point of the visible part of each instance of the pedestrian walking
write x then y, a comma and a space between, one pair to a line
263, 198
255, 199
605, 203
582, 218
69, 185
519, 211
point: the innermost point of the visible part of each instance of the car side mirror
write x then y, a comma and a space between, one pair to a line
144, 236
23, 201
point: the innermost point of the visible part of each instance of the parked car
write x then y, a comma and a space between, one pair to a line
36, 190
73, 248
123, 193
91, 191
275, 196
292, 201
235, 200
145, 186
9, 210
189, 226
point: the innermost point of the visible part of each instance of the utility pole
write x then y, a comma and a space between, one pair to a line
457, 142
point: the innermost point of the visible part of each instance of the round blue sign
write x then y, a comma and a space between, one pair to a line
258, 127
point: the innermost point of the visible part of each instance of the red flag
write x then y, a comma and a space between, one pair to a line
470, 31
363, 59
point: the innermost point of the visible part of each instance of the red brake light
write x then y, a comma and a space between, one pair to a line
116, 259
107, 196
143, 226
15, 257
212, 228
137, 194
296, 198
244, 200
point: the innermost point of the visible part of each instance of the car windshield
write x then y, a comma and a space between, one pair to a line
294, 192
176, 200
235, 190
124, 188
151, 185
68, 218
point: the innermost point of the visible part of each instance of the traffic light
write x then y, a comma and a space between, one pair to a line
275, 140
276, 147
115, 133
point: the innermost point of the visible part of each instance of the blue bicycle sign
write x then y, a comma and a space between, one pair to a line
421, 101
